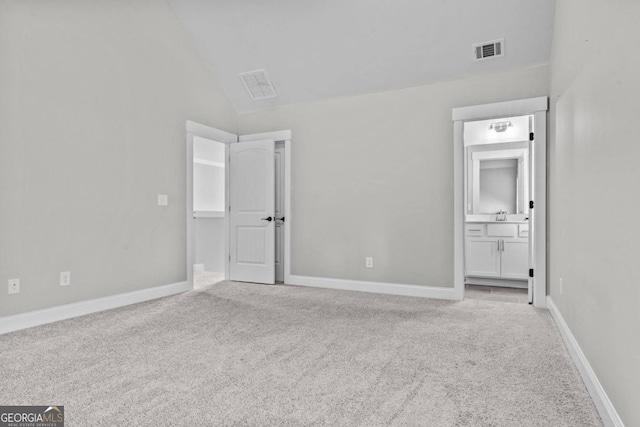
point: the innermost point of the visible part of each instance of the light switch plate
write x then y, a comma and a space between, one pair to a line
368, 262
14, 286
163, 200
65, 278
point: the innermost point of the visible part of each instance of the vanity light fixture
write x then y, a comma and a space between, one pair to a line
500, 126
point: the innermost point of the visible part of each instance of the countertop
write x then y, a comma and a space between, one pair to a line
495, 222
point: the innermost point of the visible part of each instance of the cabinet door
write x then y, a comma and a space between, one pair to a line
515, 259
483, 257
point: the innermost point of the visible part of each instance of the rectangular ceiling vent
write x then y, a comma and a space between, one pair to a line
258, 84
488, 50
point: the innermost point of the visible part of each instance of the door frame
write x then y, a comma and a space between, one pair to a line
537, 107
226, 138
203, 131
283, 136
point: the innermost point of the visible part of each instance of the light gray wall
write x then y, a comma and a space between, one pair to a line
372, 175
210, 249
594, 177
95, 95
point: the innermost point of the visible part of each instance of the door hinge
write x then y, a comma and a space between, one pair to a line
531, 204
229, 208
531, 272
229, 257
531, 136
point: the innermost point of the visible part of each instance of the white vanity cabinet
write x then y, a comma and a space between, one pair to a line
515, 259
495, 250
483, 257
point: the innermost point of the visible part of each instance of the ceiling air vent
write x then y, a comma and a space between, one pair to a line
258, 84
488, 50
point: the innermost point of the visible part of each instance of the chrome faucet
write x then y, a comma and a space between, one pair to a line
501, 215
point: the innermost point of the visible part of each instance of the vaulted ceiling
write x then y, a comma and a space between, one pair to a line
315, 49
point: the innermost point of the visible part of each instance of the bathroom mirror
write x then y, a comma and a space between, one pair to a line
498, 180
498, 186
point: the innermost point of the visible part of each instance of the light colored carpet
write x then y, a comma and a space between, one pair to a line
257, 355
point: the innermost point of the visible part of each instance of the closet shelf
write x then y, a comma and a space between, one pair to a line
208, 214
208, 163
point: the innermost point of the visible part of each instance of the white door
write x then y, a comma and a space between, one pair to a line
483, 257
279, 168
252, 212
515, 259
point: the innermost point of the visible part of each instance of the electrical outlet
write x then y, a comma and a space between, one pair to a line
65, 278
561, 286
163, 200
14, 286
368, 262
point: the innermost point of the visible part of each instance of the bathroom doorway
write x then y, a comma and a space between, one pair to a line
497, 184
500, 174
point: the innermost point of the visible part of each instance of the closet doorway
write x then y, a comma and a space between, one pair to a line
238, 206
209, 211
207, 201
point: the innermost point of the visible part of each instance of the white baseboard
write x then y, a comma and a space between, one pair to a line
605, 408
67, 311
376, 287
198, 268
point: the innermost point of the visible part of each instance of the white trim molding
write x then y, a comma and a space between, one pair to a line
518, 107
376, 287
211, 133
280, 135
608, 413
20, 321
287, 209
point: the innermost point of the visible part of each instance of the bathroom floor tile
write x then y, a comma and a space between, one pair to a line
496, 293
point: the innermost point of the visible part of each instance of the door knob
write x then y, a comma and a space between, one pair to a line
267, 219
280, 219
